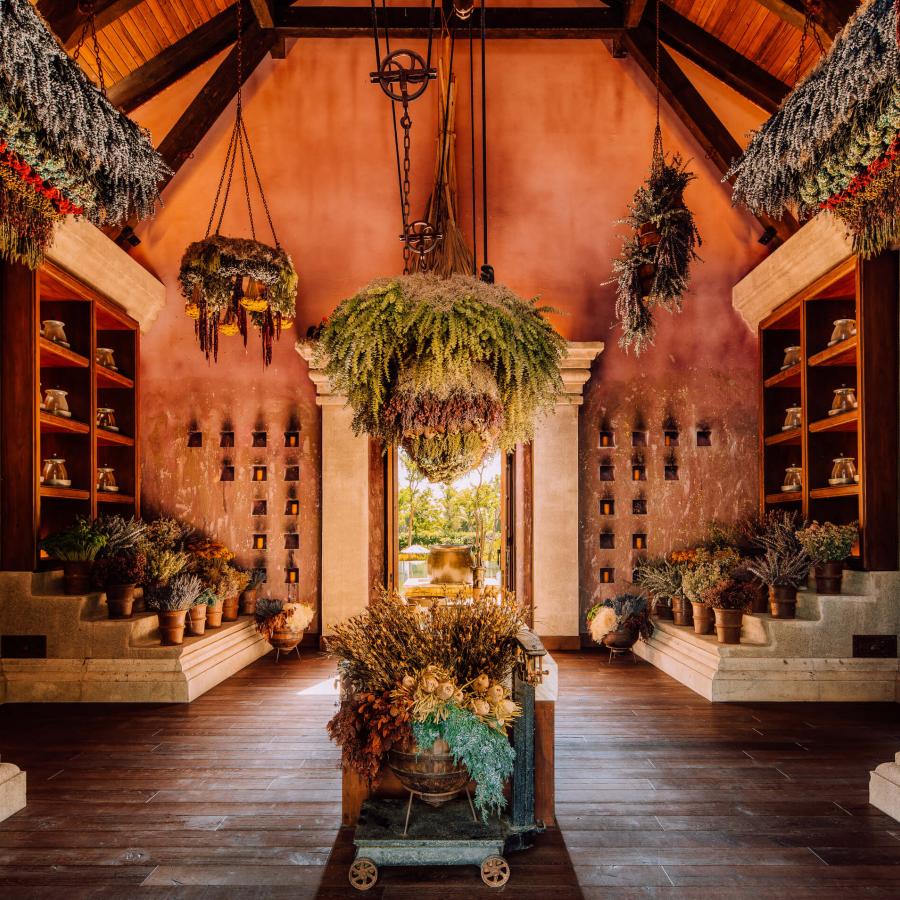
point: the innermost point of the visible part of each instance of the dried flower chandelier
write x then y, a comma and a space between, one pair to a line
228, 282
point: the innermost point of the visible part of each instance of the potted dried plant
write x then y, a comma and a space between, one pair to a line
282, 624
196, 618
76, 548
709, 568
248, 595
619, 622
118, 576
661, 579
237, 580
729, 600
171, 603
784, 567
828, 546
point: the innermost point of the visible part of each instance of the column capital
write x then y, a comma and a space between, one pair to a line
575, 370
326, 395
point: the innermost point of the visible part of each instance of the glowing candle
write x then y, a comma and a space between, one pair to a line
259, 473
259, 542
292, 508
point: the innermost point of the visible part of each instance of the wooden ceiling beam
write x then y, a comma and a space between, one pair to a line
413, 21
634, 12
176, 61
693, 111
66, 18
835, 14
721, 61
264, 13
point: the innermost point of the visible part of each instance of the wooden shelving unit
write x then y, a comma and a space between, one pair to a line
864, 290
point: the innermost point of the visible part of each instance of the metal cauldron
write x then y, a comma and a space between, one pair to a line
450, 564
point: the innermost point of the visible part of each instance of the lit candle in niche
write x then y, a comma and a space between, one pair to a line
637, 472
292, 508
292, 439
640, 542
291, 575
259, 542
606, 507
606, 575
259, 473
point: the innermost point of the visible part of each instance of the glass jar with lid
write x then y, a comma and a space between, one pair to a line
55, 402
793, 418
844, 401
54, 473
843, 329
106, 418
55, 331
106, 480
843, 471
103, 356
793, 479
791, 357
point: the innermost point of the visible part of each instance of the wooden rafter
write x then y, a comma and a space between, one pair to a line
634, 12
66, 17
176, 61
720, 60
835, 14
264, 13
693, 111
413, 21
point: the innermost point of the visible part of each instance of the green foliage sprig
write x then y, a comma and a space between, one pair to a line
82, 542
423, 331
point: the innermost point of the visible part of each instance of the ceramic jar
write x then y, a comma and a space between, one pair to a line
55, 331
843, 329
106, 418
793, 479
54, 474
791, 357
103, 356
792, 418
843, 471
55, 402
106, 480
844, 401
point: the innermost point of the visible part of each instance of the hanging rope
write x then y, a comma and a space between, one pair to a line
487, 272
657, 159
89, 30
472, 132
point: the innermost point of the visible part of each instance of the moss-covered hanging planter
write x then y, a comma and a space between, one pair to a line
226, 281
449, 369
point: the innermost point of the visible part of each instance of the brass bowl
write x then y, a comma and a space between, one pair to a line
450, 564
433, 773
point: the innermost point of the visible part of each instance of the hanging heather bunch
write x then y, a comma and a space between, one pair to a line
818, 150
653, 269
55, 120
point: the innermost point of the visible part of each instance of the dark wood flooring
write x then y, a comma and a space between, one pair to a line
659, 794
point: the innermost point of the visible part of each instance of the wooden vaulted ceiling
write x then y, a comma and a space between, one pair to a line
751, 45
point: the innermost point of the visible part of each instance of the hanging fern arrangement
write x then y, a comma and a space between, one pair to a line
451, 369
835, 142
230, 284
64, 148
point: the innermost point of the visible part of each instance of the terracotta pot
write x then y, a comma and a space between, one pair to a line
648, 236
783, 602
761, 597
662, 611
682, 613
171, 626
214, 615
624, 639
647, 275
728, 625
77, 575
433, 772
120, 600
230, 609
196, 619
248, 602
703, 618
829, 577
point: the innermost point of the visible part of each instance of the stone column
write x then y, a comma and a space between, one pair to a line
12, 790
884, 788
555, 490
345, 504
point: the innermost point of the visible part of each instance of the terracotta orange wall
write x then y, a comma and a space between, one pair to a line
569, 140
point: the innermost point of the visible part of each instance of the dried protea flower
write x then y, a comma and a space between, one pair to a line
429, 684
495, 694
445, 690
408, 682
481, 707
481, 683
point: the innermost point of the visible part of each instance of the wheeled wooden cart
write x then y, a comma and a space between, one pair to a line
409, 832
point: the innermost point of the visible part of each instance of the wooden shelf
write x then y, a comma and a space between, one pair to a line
846, 421
113, 438
842, 490
61, 425
107, 378
62, 493
785, 497
786, 378
59, 357
785, 437
842, 354
103, 497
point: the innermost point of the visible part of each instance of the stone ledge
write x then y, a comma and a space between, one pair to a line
884, 789
12, 790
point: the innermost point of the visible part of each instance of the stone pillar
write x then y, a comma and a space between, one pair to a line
884, 788
555, 490
12, 790
345, 505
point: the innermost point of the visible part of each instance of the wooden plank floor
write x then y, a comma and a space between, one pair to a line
659, 794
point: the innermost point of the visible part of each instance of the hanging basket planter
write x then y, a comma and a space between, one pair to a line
66, 150
450, 369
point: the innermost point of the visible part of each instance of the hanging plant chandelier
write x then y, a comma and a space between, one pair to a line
230, 284
833, 144
653, 269
451, 369
64, 148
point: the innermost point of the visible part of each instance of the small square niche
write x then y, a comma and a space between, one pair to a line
607, 472
292, 541
260, 438
260, 508
607, 575
704, 437
607, 541
639, 506
638, 438
607, 506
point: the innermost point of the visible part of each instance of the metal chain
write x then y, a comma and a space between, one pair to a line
406, 125
89, 28
657, 156
812, 14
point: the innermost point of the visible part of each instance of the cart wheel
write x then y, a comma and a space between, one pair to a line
363, 874
495, 871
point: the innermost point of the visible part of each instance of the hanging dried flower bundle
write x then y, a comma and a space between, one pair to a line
228, 281
71, 149
653, 269
834, 142
451, 369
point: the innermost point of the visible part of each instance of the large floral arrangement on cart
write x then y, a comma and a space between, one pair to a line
414, 677
64, 148
835, 142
